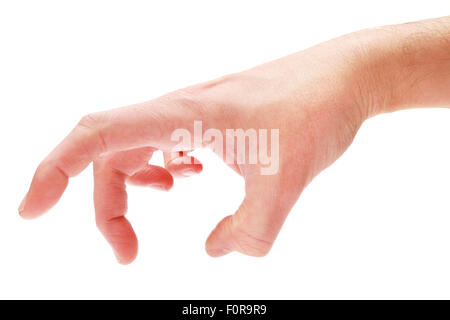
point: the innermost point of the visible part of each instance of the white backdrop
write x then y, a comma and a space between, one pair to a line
374, 225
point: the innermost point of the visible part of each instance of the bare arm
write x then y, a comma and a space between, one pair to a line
317, 99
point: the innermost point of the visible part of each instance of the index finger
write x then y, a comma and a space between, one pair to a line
146, 124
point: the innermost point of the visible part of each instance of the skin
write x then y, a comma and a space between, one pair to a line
318, 98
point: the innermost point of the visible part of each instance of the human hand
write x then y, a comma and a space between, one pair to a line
317, 99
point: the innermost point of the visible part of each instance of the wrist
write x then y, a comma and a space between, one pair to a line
403, 66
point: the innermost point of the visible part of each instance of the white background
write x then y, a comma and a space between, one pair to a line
374, 225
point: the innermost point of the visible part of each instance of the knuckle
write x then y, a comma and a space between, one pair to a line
96, 121
252, 246
89, 121
215, 97
251, 243
94, 125
190, 100
175, 110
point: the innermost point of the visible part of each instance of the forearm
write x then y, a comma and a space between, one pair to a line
405, 66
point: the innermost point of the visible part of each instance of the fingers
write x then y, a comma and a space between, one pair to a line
255, 225
152, 176
180, 164
110, 197
148, 124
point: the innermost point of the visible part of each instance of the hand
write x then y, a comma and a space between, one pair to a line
317, 98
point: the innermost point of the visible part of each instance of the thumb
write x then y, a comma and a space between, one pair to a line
255, 225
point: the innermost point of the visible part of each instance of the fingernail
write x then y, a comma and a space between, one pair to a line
22, 205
